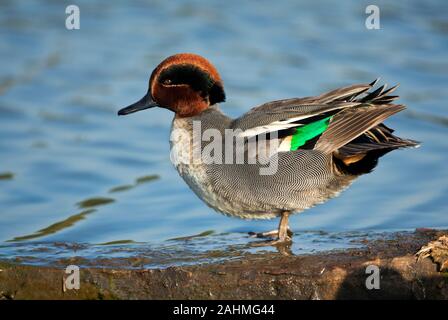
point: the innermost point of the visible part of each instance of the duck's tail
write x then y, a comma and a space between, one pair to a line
357, 137
361, 154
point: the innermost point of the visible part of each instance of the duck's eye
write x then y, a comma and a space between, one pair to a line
167, 81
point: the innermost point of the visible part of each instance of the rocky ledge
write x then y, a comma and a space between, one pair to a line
408, 266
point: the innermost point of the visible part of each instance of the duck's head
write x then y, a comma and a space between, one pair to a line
185, 83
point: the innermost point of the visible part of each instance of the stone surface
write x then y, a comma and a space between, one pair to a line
330, 275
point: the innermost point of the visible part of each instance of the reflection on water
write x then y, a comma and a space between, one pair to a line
138, 181
6, 176
428, 117
55, 227
61, 141
121, 188
202, 234
29, 73
176, 252
146, 179
116, 242
94, 202
85, 204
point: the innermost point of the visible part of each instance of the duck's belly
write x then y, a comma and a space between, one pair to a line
199, 181
240, 199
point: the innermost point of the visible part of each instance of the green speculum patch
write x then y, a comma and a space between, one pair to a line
308, 132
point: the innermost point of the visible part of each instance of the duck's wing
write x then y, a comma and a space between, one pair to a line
289, 113
326, 122
346, 126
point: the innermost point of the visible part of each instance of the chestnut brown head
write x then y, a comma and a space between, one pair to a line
185, 83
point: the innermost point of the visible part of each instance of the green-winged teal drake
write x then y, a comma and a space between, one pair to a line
319, 145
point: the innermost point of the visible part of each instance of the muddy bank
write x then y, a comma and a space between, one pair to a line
328, 275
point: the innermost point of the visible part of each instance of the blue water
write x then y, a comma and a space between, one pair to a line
61, 142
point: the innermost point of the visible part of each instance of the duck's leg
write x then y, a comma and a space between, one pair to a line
283, 228
283, 233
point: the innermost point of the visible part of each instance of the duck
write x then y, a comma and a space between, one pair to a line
287, 155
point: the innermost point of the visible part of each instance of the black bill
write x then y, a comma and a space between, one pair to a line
144, 103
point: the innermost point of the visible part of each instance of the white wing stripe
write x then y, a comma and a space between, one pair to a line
275, 126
